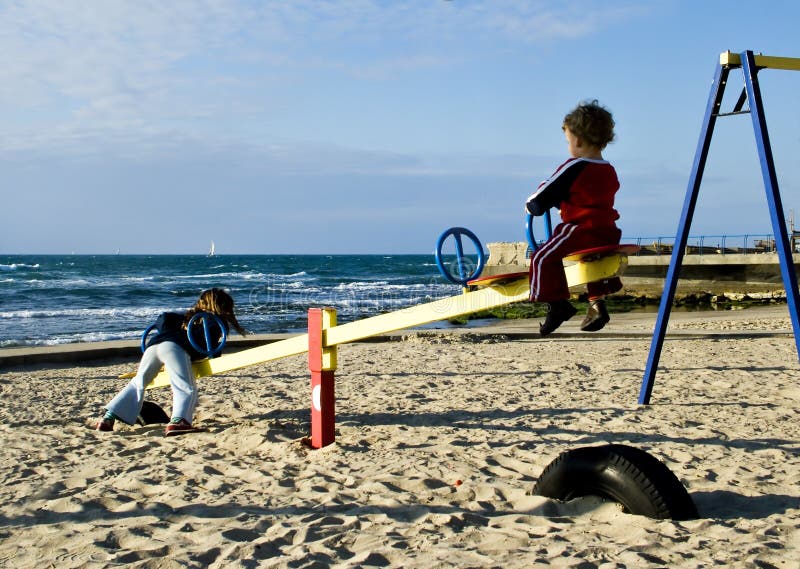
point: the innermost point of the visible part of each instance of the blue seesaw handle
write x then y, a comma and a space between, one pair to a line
463, 277
147, 333
206, 317
548, 230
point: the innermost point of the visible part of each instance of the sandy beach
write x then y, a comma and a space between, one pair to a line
441, 437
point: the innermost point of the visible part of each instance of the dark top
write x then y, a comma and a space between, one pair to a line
170, 329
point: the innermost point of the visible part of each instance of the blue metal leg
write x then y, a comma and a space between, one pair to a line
773, 194
667, 297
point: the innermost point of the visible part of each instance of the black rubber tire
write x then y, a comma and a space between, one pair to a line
152, 414
627, 475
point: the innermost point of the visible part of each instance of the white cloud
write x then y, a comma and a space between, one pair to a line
135, 53
99, 59
143, 78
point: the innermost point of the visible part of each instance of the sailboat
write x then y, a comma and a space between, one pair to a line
211, 250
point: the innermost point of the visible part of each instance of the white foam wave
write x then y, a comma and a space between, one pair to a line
296, 285
83, 313
248, 275
15, 266
72, 339
360, 285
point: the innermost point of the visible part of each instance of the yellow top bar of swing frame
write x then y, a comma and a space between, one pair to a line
766, 61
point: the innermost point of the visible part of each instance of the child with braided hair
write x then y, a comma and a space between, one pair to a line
171, 348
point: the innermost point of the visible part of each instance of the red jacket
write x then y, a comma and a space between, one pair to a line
582, 189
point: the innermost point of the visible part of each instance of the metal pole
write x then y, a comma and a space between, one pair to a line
679, 247
773, 194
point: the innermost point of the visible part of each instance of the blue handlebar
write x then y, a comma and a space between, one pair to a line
463, 276
206, 317
145, 334
548, 229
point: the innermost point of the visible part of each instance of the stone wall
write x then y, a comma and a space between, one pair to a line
506, 257
714, 273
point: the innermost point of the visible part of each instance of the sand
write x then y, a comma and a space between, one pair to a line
440, 440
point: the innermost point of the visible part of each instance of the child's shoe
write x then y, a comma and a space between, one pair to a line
557, 313
104, 425
596, 316
179, 427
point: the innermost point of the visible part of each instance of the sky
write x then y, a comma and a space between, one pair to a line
368, 126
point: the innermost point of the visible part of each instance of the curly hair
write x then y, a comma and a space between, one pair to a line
216, 301
592, 123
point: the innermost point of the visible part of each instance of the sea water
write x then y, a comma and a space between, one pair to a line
50, 299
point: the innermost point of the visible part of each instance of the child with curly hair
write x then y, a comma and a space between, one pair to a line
583, 189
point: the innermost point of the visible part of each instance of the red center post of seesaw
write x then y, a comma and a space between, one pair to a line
322, 365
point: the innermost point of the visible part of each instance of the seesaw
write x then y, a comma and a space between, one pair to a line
639, 482
324, 335
481, 294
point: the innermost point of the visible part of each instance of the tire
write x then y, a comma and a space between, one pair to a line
152, 414
629, 476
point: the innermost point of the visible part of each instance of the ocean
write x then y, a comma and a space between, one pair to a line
61, 299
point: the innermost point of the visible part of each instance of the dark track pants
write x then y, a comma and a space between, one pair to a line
548, 282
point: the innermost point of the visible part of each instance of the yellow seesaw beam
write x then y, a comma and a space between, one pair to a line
443, 309
268, 352
451, 307
447, 308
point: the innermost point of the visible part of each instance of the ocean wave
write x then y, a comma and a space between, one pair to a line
83, 313
58, 283
361, 285
84, 337
376, 303
158, 279
16, 266
415, 286
85, 298
291, 285
383, 288
226, 275
59, 280
280, 279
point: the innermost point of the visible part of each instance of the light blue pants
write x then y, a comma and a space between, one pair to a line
128, 403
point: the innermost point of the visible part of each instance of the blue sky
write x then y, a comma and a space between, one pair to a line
367, 126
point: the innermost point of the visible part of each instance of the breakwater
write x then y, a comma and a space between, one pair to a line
713, 273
